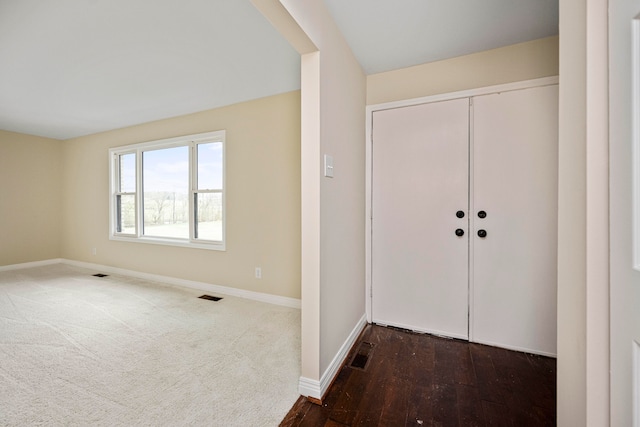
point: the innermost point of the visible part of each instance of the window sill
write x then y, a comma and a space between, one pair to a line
215, 246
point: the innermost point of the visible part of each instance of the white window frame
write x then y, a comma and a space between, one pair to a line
191, 141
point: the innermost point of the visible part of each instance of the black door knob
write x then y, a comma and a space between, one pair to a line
459, 232
482, 233
460, 214
482, 214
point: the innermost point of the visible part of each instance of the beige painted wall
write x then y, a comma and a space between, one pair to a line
583, 288
334, 94
343, 198
263, 199
523, 61
30, 198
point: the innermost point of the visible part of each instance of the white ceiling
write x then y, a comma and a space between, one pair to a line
77, 67
390, 34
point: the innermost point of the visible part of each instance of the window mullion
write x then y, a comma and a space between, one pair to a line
193, 174
119, 194
117, 183
210, 191
139, 196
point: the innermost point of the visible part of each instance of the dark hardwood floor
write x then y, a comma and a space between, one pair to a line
414, 379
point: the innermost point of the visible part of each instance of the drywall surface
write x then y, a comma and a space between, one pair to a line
625, 281
334, 93
583, 223
30, 198
572, 216
523, 61
262, 198
597, 216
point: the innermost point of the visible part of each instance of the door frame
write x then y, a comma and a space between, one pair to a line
370, 109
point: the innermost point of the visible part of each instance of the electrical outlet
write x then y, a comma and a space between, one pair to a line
258, 273
94, 251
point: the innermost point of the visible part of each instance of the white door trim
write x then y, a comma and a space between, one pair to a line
636, 141
545, 81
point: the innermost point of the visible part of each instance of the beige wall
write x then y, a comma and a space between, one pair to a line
333, 104
342, 223
597, 215
571, 366
263, 199
583, 222
30, 198
524, 61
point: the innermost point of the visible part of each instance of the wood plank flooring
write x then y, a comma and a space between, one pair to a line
421, 380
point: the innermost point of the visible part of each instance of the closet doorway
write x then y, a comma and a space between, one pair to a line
464, 213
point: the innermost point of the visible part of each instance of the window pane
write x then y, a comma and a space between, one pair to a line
210, 166
209, 216
128, 173
165, 183
126, 207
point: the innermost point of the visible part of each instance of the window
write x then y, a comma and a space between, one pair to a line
170, 191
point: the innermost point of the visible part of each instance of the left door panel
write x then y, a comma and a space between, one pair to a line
420, 182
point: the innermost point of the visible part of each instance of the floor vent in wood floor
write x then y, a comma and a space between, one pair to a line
100, 275
210, 298
361, 357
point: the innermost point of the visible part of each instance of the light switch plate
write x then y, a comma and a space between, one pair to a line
328, 166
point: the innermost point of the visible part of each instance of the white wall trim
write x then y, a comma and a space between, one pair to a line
207, 287
635, 120
316, 389
368, 203
516, 348
309, 388
30, 264
435, 332
636, 384
526, 84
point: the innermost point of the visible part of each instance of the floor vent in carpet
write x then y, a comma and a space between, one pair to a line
210, 298
361, 358
100, 275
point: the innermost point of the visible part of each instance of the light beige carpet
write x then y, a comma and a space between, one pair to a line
77, 350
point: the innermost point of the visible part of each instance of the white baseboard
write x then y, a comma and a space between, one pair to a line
636, 384
316, 389
207, 287
310, 388
435, 332
30, 264
516, 348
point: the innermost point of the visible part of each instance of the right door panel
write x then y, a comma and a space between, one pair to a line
514, 155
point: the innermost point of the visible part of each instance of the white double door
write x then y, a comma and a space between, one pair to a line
464, 232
